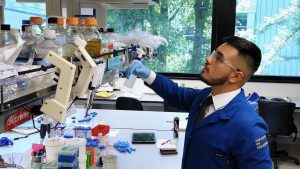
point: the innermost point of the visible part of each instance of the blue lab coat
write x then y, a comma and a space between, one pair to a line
231, 138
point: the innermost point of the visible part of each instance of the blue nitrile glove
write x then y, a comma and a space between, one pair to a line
123, 147
138, 69
4, 141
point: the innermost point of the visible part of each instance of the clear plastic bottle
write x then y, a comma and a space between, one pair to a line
100, 152
37, 29
56, 23
7, 38
52, 23
92, 36
90, 31
72, 32
61, 30
28, 49
48, 44
107, 40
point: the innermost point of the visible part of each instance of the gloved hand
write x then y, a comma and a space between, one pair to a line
138, 69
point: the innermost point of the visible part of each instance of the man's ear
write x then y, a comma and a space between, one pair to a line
237, 76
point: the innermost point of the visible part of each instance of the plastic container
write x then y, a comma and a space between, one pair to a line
28, 49
56, 23
93, 37
130, 81
72, 32
7, 38
37, 30
91, 32
53, 146
82, 162
77, 142
69, 130
72, 29
110, 161
107, 43
49, 44
37, 162
100, 152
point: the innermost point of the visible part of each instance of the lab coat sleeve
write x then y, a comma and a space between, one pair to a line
178, 97
252, 149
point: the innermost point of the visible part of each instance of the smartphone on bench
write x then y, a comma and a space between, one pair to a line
143, 138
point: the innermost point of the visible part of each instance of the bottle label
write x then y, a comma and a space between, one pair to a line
43, 49
61, 40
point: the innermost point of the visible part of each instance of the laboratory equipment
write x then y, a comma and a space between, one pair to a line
36, 23
28, 49
88, 68
56, 108
72, 32
7, 39
93, 37
48, 44
56, 23
53, 146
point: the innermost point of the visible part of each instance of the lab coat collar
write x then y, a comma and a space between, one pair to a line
223, 114
221, 100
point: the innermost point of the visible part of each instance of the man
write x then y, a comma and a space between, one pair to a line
223, 131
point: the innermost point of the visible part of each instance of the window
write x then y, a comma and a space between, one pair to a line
274, 26
241, 21
185, 24
15, 12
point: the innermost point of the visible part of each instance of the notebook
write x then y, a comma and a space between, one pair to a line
166, 144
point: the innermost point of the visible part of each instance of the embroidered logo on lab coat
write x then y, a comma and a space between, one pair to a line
261, 142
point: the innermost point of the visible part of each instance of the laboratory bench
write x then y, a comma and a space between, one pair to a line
146, 156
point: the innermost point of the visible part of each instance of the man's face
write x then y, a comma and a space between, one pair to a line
220, 65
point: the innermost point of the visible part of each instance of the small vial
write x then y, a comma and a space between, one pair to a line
88, 131
100, 152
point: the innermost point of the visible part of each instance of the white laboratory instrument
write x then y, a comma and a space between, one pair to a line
56, 108
88, 69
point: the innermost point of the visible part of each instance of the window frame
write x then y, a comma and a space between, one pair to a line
224, 13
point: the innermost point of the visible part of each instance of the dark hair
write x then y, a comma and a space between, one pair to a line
247, 49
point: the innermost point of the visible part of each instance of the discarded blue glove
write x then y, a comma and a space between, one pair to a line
138, 69
4, 141
123, 147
